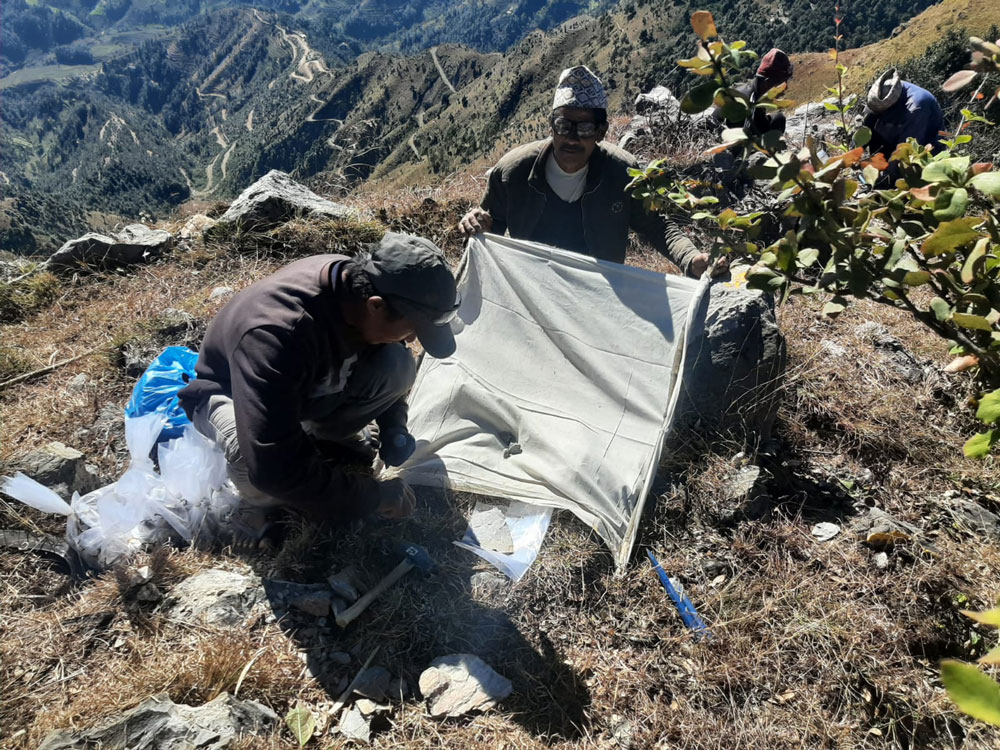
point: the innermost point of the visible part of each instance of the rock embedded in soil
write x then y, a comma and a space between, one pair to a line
345, 584
136, 243
216, 597
457, 684
317, 604
160, 724
61, 468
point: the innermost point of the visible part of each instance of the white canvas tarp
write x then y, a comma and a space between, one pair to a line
561, 386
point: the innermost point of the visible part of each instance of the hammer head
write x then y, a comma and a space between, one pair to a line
420, 558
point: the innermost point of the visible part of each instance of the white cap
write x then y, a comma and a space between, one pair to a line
578, 87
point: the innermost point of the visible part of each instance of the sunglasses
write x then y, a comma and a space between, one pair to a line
565, 126
435, 315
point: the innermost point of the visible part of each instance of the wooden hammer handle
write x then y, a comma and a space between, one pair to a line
346, 617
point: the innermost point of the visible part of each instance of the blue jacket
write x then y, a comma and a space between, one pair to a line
917, 114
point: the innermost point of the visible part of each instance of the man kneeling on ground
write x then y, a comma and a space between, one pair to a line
295, 368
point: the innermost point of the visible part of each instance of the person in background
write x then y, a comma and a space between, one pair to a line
297, 371
775, 68
568, 190
897, 110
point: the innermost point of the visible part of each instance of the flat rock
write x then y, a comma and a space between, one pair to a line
216, 597
489, 524
275, 199
136, 243
373, 683
221, 293
160, 724
355, 725
488, 585
457, 684
317, 604
345, 584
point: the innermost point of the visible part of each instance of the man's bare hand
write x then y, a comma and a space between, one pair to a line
396, 499
699, 264
475, 222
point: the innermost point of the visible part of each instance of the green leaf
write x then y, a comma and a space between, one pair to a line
989, 410
950, 235
808, 256
975, 260
862, 136
870, 173
834, 307
973, 692
979, 445
732, 135
699, 98
989, 617
951, 204
987, 182
302, 723
734, 110
941, 309
977, 322
917, 278
951, 169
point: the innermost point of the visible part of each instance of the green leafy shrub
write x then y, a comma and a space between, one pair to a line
928, 241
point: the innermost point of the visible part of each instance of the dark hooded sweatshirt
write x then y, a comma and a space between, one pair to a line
276, 346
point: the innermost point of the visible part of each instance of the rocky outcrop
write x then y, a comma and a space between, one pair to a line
217, 597
136, 243
733, 372
60, 468
161, 724
274, 199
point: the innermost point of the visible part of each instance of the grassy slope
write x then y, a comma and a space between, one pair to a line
814, 72
814, 645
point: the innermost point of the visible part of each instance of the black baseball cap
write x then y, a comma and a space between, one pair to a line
413, 275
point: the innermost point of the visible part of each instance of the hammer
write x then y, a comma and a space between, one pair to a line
415, 556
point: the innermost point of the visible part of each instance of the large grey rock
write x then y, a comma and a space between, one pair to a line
457, 684
734, 368
660, 100
62, 469
274, 199
160, 724
136, 243
216, 597
811, 119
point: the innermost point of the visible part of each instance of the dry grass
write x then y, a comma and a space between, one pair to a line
813, 645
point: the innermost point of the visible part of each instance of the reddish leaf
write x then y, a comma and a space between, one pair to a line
922, 193
852, 157
878, 161
981, 166
961, 364
959, 80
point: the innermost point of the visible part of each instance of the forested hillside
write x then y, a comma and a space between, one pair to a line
202, 111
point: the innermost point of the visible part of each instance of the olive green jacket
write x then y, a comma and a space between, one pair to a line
517, 191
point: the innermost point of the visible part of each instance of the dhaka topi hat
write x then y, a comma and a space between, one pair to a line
412, 273
578, 87
885, 92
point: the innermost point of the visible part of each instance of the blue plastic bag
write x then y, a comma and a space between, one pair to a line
156, 390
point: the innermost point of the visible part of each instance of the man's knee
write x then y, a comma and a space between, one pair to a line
394, 370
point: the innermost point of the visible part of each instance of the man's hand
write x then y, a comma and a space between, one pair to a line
396, 499
699, 264
475, 222
397, 446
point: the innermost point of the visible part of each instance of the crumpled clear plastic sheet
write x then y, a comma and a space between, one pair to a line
527, 525
188, 499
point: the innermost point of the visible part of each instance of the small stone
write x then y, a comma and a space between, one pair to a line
79, 382
488, 584
355, 725
622, 731
149, 593
742, 484
221, 293
373, 683
825, 531
345, 584
399, 690
369, 707
457, 684
881, 560
339, 657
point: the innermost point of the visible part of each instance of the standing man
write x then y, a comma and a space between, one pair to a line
295, 367
568, 190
